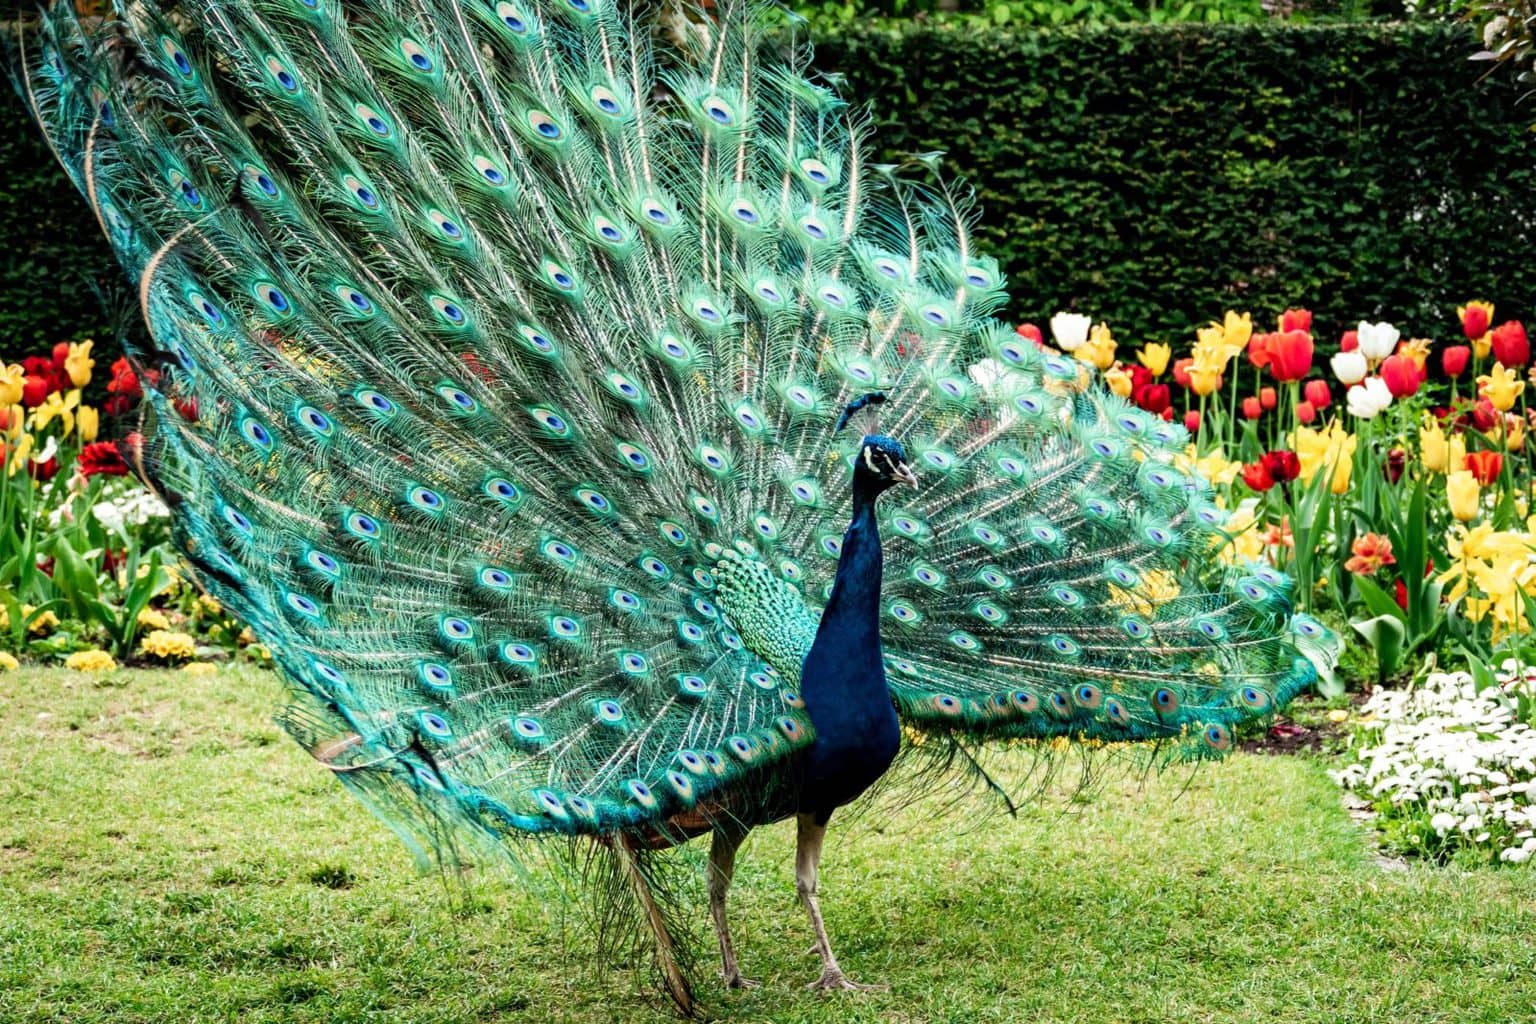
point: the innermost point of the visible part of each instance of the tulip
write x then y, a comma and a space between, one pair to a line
13, 380
1371, 551
1485, 466
1267, 398
1367, 399
1401, 375
1501, 387
1252, 408
1397, 461
1296, 320
1453, 360
1282, 466
1484, 415
88, 422
1290, 355
1475, 317
1510, 345
1192, 421
1236, 330
1349, 341
1461, 494
1349, 367
1257, 477
1306, 413
1377, 340
60, 355
1482, 346
78, 364
1070, 330
33, 390
1155, 357
1317, 393
1203, 380
1258, 350
1031, 332
1119, 381
1514, 432
1433, 449
1181, 372
1152, 397
1099, 350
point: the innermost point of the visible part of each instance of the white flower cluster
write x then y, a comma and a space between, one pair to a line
1459, 760
133, 507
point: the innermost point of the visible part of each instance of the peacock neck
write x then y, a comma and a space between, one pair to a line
850, 625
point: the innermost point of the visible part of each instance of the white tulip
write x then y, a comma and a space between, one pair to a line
1070, 330
1367, 399
1349, 367
1377, 341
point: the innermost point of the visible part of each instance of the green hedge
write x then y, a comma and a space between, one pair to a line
1150, 175
1154, 176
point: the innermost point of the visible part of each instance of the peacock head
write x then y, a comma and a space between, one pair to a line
881, 464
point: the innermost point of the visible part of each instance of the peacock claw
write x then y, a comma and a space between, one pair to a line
734, 979
837, 981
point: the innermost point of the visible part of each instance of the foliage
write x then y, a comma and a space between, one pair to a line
1151, 174
1450, 766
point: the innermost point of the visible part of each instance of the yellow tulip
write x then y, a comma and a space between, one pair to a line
1501, 387
1119, 381
20, 452
1155, 357
1461, 494
89, 422
79, 362
1099, 349
1237, 331
12, 379
1514, 432
1433, 449
15, 419
58, 406
1416, 349
1481, 346
1343, 466
1203, 381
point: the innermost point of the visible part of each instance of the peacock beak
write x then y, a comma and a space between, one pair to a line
905, 475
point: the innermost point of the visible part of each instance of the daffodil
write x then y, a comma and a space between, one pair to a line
1155, 357
1501, 387
79, 362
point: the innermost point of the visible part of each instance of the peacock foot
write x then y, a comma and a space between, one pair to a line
733, 979
834, 980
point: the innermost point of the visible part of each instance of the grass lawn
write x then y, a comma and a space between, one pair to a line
167, 855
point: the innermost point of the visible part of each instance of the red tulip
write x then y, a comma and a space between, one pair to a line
33, 390
1400, 591
1397, 460
1317, 393
1031, 332
1282, 466
1510, 345
1167, 414
1485, 466
1454, 359
1401, 375
1257, 477
1192, 421
1306, 413
1258, 350
37, 366
1350, 341
1484, 415
1290, 354
1296, 320
1151, 397
44, 471
1475, 320
60, 354
1267, 398
1252, 409
102, 458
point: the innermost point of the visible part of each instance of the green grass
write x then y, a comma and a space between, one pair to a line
167, 855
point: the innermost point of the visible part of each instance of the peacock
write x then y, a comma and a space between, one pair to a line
608, 449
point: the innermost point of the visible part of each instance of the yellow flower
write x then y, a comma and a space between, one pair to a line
209, 605
1155, 357
90, 661
40, 626
1099, 349
259, 652
15, 422
1416, 349
1461, 494
167, 645
8, 662
1245, 541
79, 362
1482, 346
1213, 467
1433, 450
1237, 331
1333, 447
1514, 432
199, 668
152, 618
12, 380
1119, 381
20, 452
60, 406
1501, 387
1338, 715
89, 422
1211, 337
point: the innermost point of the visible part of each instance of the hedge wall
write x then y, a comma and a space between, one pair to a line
1154, 176
1150, 175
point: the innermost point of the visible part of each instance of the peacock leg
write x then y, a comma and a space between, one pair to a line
722, 866
808, 837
